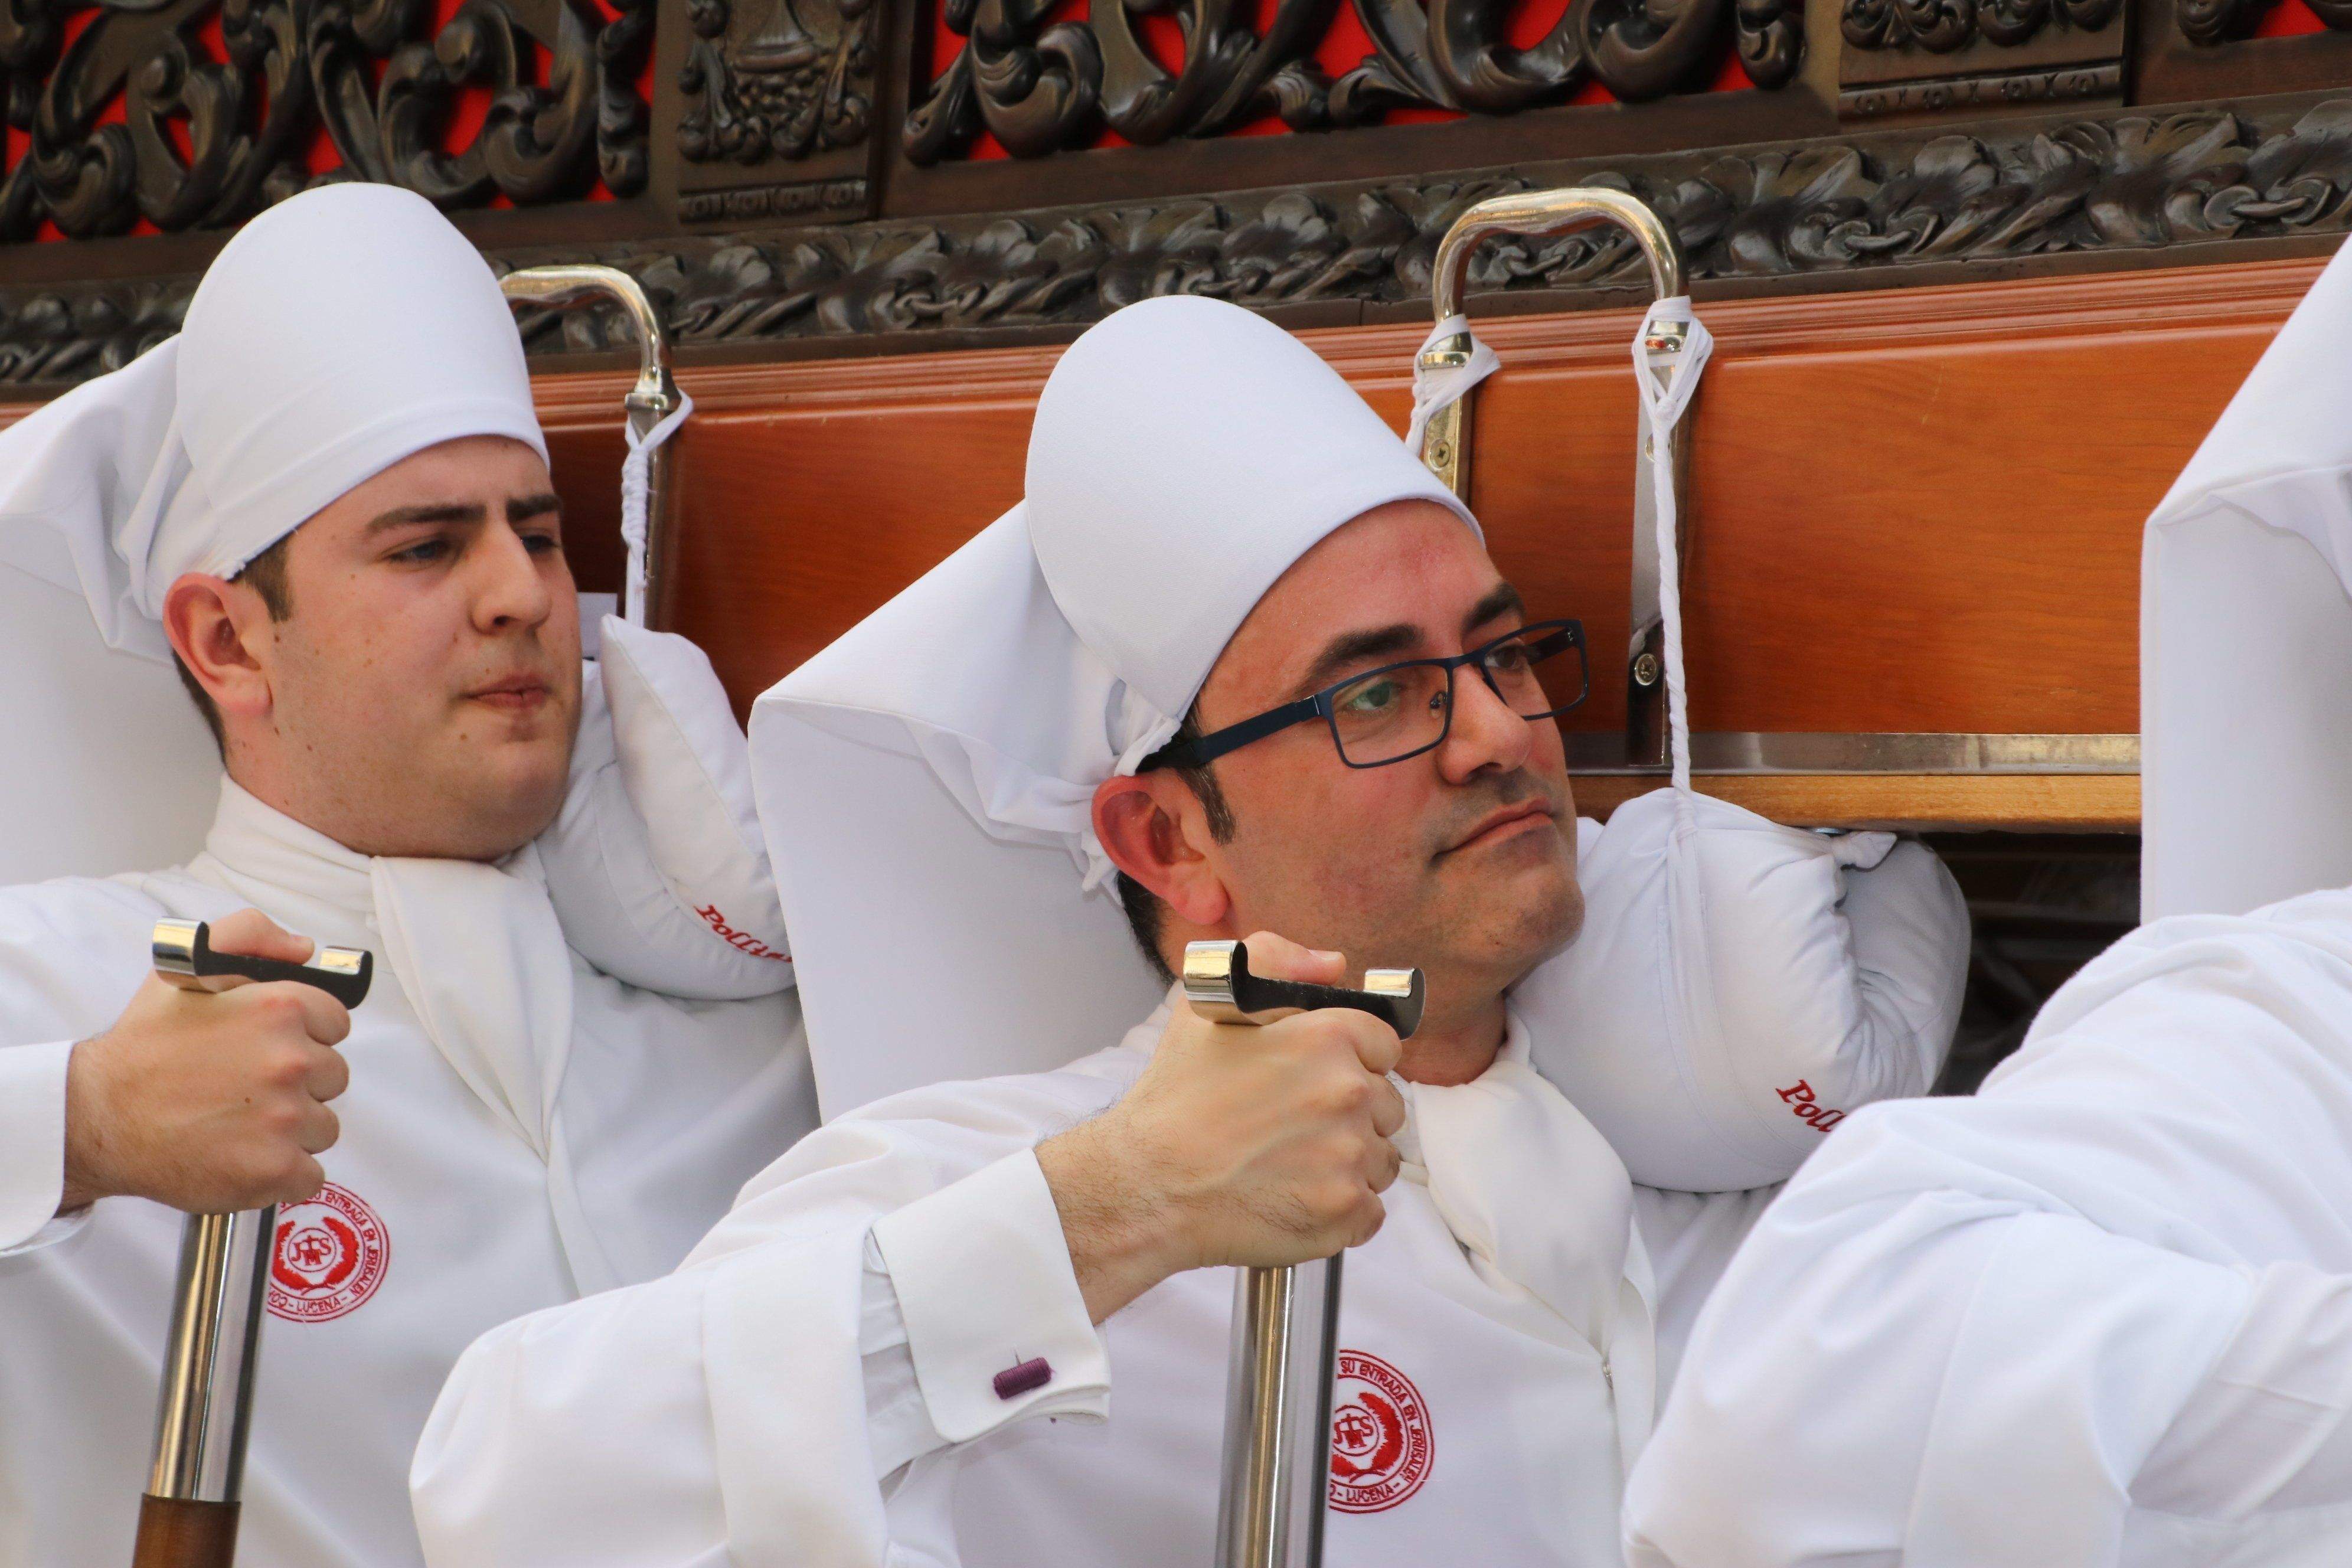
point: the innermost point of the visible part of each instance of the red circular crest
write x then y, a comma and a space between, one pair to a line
1382, 1446
330, 1256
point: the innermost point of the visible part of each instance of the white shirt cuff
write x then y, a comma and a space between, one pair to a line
32, 1147
995, 1321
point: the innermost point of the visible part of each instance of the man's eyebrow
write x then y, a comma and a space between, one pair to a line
524, 507
1358, 647
1501, 600
437, 511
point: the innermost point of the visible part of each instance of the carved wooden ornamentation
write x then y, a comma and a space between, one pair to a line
1905, 54
377, 75
2117, 183
1041, 86
774, 108
2124, 182
774, 89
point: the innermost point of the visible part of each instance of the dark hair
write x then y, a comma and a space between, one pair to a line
1146, 912
266, 575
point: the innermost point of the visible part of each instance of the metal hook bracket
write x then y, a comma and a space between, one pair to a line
653, 399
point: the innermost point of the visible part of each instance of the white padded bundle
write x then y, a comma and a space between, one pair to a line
656, 864
1740, 986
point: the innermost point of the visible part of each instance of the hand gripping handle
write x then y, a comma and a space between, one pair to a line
1279, 1372
188, 1516
1219, 986
184, 956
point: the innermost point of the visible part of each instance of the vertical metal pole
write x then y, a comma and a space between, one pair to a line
1278, 1388
188, 1516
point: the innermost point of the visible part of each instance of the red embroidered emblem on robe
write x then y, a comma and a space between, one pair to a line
1381, 1445
330, 1255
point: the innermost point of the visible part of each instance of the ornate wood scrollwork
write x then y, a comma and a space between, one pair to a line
1941, 27
1908, 55
2124, 182
2005, 190
379, 77
1042, 85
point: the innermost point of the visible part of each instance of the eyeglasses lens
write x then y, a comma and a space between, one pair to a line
1394, 713
1390, 714
1542, 674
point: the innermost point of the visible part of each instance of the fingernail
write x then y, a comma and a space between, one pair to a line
1327, 953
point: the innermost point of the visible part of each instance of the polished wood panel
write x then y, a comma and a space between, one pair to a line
2022, 803
1911, 509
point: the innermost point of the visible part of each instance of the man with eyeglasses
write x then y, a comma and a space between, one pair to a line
1236, 665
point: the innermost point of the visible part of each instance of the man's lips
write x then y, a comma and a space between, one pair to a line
1502, 823
517, 693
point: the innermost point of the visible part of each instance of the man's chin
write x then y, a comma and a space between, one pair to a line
513, 799
1534, 911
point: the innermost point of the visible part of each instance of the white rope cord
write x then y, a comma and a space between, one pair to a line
1433, 388
1666, 397
636, 483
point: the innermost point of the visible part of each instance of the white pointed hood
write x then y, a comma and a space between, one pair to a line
2246, 635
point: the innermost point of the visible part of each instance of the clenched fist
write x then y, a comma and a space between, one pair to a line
212, 1100
1261, 1146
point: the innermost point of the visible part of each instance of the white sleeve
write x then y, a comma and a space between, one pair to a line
32, 1148
1690, 1238
2118, 1281
712, 1418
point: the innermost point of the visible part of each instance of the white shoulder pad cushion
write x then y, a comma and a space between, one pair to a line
1741, 987
656, 864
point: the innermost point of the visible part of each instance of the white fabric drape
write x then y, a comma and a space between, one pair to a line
482, 958
1543, 1206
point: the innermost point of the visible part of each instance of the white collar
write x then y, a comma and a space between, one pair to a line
291, 872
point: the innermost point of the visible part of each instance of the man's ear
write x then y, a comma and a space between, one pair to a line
218, 627
1153, 827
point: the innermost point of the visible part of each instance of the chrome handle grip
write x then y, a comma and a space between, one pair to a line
184, 954
1218, 985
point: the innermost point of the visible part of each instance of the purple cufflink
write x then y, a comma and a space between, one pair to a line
1015, 1380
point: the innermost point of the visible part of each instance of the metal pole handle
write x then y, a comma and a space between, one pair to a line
653, 399
1445, 441
204, 1411
1278, 1380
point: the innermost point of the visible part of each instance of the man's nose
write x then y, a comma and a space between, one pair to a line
1484, 734
510, 588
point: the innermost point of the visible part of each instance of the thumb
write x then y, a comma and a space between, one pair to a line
249, 933
1279, 958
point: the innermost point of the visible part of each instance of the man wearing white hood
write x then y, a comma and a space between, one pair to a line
1238, 656
329, 498
2101, 1313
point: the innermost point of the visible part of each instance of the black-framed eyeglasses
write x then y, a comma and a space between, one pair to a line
1400, 711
